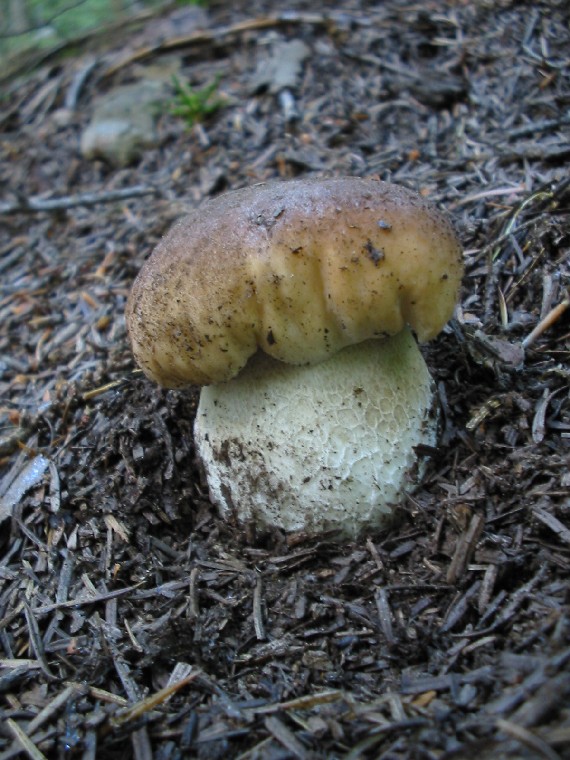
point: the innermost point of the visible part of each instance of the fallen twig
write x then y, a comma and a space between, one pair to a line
210, 37
38, 205
547, 321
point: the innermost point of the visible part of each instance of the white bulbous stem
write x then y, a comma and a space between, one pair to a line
323, 447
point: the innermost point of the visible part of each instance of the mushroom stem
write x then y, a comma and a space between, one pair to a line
318, 448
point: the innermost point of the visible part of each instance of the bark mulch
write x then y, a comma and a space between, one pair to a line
134, 622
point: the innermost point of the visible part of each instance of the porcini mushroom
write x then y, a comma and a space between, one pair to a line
304, 281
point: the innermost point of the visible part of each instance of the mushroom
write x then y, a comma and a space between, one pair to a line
314, 284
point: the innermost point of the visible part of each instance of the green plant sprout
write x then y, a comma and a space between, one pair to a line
199, 3
194, 105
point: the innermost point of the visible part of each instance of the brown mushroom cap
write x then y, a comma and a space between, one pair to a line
300, 269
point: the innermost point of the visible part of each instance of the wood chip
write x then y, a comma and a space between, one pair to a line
24, 740
285, 737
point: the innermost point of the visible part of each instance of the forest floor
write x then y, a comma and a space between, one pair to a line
134, 621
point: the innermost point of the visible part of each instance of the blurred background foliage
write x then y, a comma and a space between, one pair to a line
42, 24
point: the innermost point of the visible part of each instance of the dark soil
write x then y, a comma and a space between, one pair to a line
447, 636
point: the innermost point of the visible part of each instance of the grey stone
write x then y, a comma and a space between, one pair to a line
124, 122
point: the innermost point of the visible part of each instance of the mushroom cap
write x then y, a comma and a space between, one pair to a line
300, 269
311, 449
